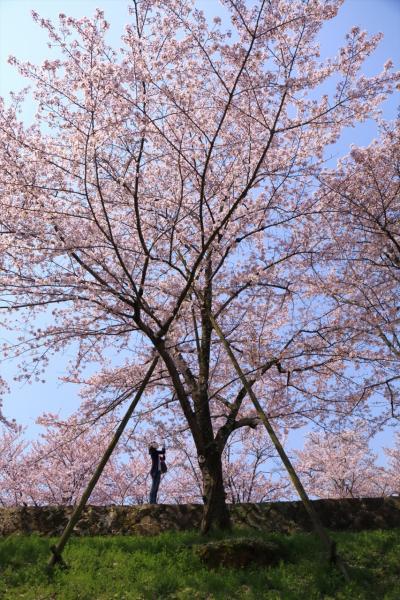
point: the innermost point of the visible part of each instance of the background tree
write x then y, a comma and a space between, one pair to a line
251, 470
12, 466
360, 207
64, 458
340, 464
392, 470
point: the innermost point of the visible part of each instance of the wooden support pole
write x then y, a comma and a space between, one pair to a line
328, 543
56, 556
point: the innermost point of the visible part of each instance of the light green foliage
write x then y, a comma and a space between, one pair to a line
165, 567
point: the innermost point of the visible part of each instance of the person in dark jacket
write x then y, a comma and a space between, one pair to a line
155, 472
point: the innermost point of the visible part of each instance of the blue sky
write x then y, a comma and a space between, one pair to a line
21, 37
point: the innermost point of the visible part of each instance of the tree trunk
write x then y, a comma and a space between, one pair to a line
216, 514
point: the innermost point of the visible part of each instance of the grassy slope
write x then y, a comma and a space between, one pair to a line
164, 567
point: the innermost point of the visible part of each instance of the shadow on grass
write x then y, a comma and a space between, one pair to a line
17, 551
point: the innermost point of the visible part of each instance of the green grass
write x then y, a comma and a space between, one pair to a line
165, 566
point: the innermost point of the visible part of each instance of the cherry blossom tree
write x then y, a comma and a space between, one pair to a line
360, 206
12, 466
166, 181
393, 468
63, 459
340, 464
55, 468
251, 473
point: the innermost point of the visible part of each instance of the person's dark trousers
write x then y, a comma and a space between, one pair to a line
154, 487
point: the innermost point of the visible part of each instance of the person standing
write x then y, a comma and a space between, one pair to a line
157, 457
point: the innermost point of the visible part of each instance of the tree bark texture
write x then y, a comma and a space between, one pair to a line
216, 514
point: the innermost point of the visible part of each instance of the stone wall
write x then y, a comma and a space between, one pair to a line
285, 517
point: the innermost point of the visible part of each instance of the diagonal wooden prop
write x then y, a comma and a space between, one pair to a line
56, 556
329, 544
